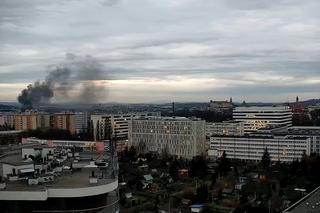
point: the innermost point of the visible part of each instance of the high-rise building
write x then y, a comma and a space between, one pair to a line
64, 120
31, 120
107, 126
255, 118
224, 128
179, 136
81, 122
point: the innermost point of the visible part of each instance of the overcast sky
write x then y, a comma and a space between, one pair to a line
168, 50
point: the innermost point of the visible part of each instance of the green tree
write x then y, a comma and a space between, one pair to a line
173, 170
198, 167
224, 164
207, 209
202, 193
265, 160
132, 153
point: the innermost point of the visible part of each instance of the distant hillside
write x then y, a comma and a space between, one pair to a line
8, 108
311, 102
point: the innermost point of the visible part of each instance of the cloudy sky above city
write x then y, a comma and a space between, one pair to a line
168, 50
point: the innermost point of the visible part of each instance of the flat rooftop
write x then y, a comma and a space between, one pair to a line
255, 108
75, 178
157, 118
310, 203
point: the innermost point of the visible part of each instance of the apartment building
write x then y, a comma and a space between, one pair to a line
65, 121
7, 119
30, 120
81, 122
179, 136
107, 126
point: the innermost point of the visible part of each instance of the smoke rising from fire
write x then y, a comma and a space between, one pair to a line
74, 80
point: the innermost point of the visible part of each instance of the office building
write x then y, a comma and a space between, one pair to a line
30, 120
231, 128
280, 148
65, 121
109, 126
255, 118
178, 136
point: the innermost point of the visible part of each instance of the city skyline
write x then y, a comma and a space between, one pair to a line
166, 51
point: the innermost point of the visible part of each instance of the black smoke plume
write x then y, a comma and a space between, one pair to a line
72, 81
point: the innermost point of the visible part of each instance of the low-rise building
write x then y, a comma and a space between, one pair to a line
58, 178
312, 132
280, 148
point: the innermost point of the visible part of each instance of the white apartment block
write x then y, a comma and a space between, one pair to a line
255, 118
231, 128
114, 124
312, 132
284, 149
179, 136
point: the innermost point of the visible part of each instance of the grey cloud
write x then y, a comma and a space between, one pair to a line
226, 40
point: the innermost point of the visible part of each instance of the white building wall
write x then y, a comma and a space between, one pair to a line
119, 124
176, 136
312, 132
224, 128
8, 168
249, 148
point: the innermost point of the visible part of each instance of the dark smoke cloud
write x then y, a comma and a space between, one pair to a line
71, 81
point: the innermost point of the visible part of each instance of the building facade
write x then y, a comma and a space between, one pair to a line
231, 128
114, 125
81, 122
284, 149
65, 121
7, 119
221, 106
177, 136
312, 132
255, 118
31, 120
